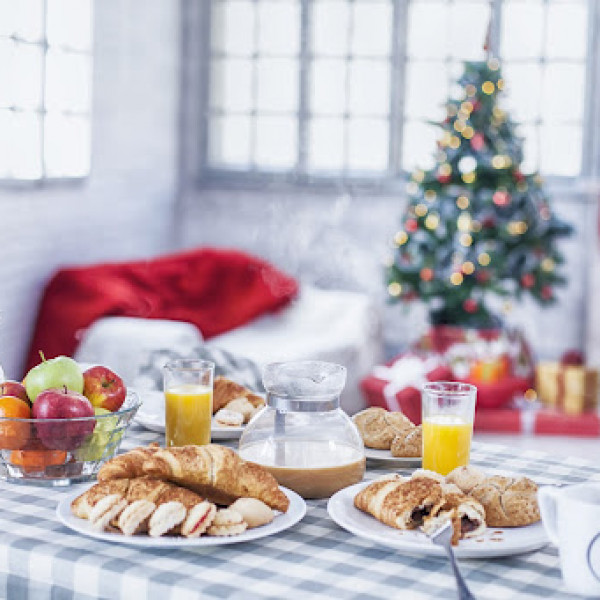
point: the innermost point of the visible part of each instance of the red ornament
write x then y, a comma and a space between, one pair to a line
470, 305
426, 274
546, 292
483, 276
501, 198
443, 179
519, 177
488, 222
528, 280
477, 141
411, 225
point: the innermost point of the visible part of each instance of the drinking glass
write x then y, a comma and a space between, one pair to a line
448, 411
188, 386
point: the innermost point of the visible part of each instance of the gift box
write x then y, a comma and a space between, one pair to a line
572, 389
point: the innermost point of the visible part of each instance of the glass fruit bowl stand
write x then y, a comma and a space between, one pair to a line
58, 452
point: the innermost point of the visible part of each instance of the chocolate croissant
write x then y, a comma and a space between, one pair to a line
216, 472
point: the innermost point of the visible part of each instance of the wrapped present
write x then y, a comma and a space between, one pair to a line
570, 388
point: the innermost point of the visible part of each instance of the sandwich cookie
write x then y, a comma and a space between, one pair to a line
227, 522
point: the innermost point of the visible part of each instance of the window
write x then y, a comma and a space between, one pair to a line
45, 88
350, 87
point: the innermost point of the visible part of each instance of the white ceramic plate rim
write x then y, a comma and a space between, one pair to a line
281, 522
515, 540
386, 456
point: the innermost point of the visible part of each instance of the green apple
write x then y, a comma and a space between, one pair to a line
95, 445
57, 373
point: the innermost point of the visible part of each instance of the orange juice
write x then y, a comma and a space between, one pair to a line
188, 413
446, 443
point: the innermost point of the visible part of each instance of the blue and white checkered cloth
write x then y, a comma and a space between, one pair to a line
41, 558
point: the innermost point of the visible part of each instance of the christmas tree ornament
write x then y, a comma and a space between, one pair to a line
528, 280
470, 305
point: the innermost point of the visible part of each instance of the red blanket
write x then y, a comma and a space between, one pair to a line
216, 290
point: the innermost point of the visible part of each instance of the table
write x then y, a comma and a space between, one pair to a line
40, 558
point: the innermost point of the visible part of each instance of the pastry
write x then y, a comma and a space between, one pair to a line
253, 511
166, 517
466, 477
408, 443
429, 474
400, 504
105, 510
242, 406
227, 522
225, 390
199, 519
229, 418
82, 505
217, 473
378, 427
127, 465
508, 501
135, 516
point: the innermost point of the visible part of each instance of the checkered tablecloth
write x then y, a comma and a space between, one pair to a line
41, 558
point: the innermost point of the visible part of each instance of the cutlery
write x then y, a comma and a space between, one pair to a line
442, 537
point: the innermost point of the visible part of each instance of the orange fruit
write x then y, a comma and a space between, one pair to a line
14, 434
37, 460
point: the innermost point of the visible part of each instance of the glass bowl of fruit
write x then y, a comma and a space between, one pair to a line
62, 423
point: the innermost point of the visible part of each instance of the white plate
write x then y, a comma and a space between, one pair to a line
395, 461
282, 521
151, 415
495, 542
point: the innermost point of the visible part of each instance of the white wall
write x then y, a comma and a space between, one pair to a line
341, 241
125, 208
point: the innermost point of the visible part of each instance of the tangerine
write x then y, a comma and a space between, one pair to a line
14, 433
37, 460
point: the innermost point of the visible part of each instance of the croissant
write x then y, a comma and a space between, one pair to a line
128, 465
217, 473
408, 443
83, 505
378, 427
225, 390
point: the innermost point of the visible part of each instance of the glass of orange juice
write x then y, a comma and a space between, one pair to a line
188, 386
448, 411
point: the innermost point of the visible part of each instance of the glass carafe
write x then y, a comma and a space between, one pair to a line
302, 436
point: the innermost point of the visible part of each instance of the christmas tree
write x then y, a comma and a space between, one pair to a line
475, 224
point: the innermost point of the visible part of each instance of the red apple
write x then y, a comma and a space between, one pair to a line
14, 388
104, 388
65, 430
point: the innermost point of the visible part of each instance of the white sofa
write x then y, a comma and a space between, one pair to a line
330, 325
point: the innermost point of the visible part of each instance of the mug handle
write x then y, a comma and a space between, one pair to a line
595, 540
547, 502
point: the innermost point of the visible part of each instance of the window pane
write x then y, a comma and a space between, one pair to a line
68, 81
522, 29
230, 141
66, 145
330, 20
328, 87
276, 142
419, 144
560, 149
369, 88
426, 90
25, 155
368, 144
277, 84
233, 26
467, 29
564, 92
567, 30
279, 27
231, 85
69, 23
326, 144
428, 29
523, 90
28, 19
27, 90
372, 28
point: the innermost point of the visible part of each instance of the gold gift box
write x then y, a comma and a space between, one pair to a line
570, 388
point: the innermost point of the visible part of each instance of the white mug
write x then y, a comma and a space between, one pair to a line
571, 517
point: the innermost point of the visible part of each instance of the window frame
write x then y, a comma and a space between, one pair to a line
45, 180
194, 120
